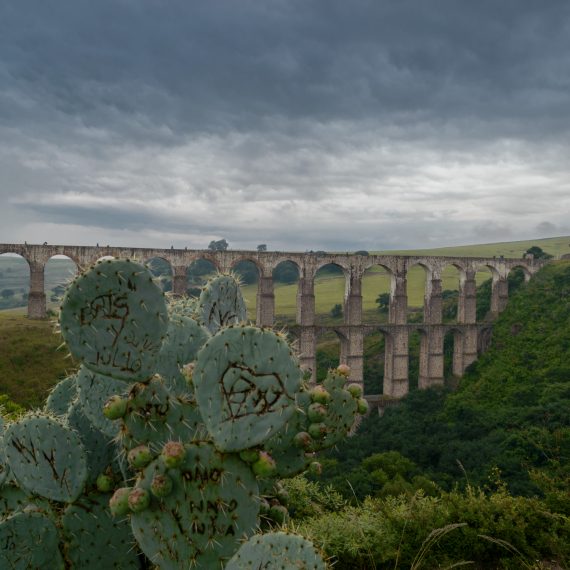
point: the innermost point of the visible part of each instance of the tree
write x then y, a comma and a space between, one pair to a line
262, 247
336, 311
538, 252
7, 293
383, 301
220, 245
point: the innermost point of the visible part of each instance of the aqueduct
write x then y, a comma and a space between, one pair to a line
472, 336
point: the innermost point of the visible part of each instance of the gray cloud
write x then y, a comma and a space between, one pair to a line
301, 124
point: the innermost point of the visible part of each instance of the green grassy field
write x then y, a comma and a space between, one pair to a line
29, 360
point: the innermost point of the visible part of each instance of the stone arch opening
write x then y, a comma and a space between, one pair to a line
330, 286
59, 271
374, 362
453, 365
248, 273
197, 274
416, 288
484, 278
450, 284
376, 294
285, 287
161, 271
14, 281
329, 349
417, 342
518, 276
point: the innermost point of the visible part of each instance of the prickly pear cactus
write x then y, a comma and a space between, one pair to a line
211, 506
29, 540
167, 438
61, 396
96, 540
221, 303
94, 391
46, 457
114, 319
277, 551
245, 382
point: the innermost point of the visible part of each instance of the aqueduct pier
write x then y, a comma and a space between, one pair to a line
471, 337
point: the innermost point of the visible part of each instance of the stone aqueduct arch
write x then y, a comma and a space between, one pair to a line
473, 337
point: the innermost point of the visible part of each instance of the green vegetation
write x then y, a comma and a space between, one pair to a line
30, 363
510, 411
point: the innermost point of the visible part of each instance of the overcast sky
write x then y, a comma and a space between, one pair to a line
302, 124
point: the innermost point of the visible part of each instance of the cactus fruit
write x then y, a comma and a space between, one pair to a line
212, 506
277, 551
29, 540
173, 454
115, 407
265, 466
119, 503
245, 382
139, 500
221, 303
46, 457
139, 456
114, 319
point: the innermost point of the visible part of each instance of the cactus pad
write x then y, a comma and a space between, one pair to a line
29, 541
46, 457
61, 396
114, 318
94, 391
245, 382
277, 551
210, 509
154, 416
221, 303
94, 539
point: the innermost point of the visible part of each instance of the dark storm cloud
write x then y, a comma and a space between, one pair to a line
399, 123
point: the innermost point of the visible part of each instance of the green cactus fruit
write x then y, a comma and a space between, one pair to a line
320, 395
316, 413
343, 370
277, 551
362, 406
94, 539
119, 502
139, 456
99, 448
278, 514
221, 304
155, 415
161, 486
303, 440
315, 468
139, 500
29, 541
249, 455
173, 454
105, 483
114, 319
115, 407
318, 430
265, 466
46, 457
355, 390
94, 391
245, 382
212, 507
184, 338
60, 398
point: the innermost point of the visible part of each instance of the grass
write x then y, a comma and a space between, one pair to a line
29, 360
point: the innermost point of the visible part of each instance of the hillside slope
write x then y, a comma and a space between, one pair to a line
511, 410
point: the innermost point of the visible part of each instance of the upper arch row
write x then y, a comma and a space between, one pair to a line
307, 263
